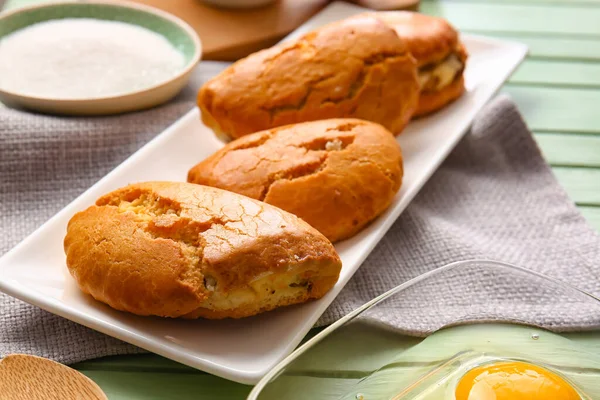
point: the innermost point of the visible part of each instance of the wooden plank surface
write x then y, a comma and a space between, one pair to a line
140, 379
558, 109
540, 19
521, 2
582, 184
156, 385
560, 48
548, 73
558, 91
570, 149
592, 215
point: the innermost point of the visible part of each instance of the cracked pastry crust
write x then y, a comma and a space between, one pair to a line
355, 68
440, 56
337, 174
183, 250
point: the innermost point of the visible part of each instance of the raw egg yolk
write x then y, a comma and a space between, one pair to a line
513, 381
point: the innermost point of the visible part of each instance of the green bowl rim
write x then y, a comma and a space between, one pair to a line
186, 69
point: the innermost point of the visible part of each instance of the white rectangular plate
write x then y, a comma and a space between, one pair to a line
241, 350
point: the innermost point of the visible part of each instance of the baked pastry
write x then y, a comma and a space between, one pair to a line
337, 174
356, 68
440, 56
183, 250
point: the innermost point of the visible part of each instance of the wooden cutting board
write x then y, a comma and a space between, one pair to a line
232, 34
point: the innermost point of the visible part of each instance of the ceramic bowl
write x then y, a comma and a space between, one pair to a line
177, 32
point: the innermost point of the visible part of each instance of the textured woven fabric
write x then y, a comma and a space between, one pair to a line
494, 198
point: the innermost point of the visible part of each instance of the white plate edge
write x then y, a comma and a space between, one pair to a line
49, 304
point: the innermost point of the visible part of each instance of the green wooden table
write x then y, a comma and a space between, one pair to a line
557, 89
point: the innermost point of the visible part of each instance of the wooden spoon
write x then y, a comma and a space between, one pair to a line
24, 377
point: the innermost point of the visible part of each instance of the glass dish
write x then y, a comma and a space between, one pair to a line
473, 313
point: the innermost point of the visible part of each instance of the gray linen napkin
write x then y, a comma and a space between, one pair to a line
493, 198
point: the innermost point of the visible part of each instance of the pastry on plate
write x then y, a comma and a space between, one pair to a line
355, 68
440, 55
183, 250
336, 174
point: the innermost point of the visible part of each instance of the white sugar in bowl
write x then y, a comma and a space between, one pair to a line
94, 57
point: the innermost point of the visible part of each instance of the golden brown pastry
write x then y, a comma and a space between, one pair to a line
353, 68
184, 250
440, 56
337, 174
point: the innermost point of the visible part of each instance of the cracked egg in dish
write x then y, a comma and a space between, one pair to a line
513, 380
372, 355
